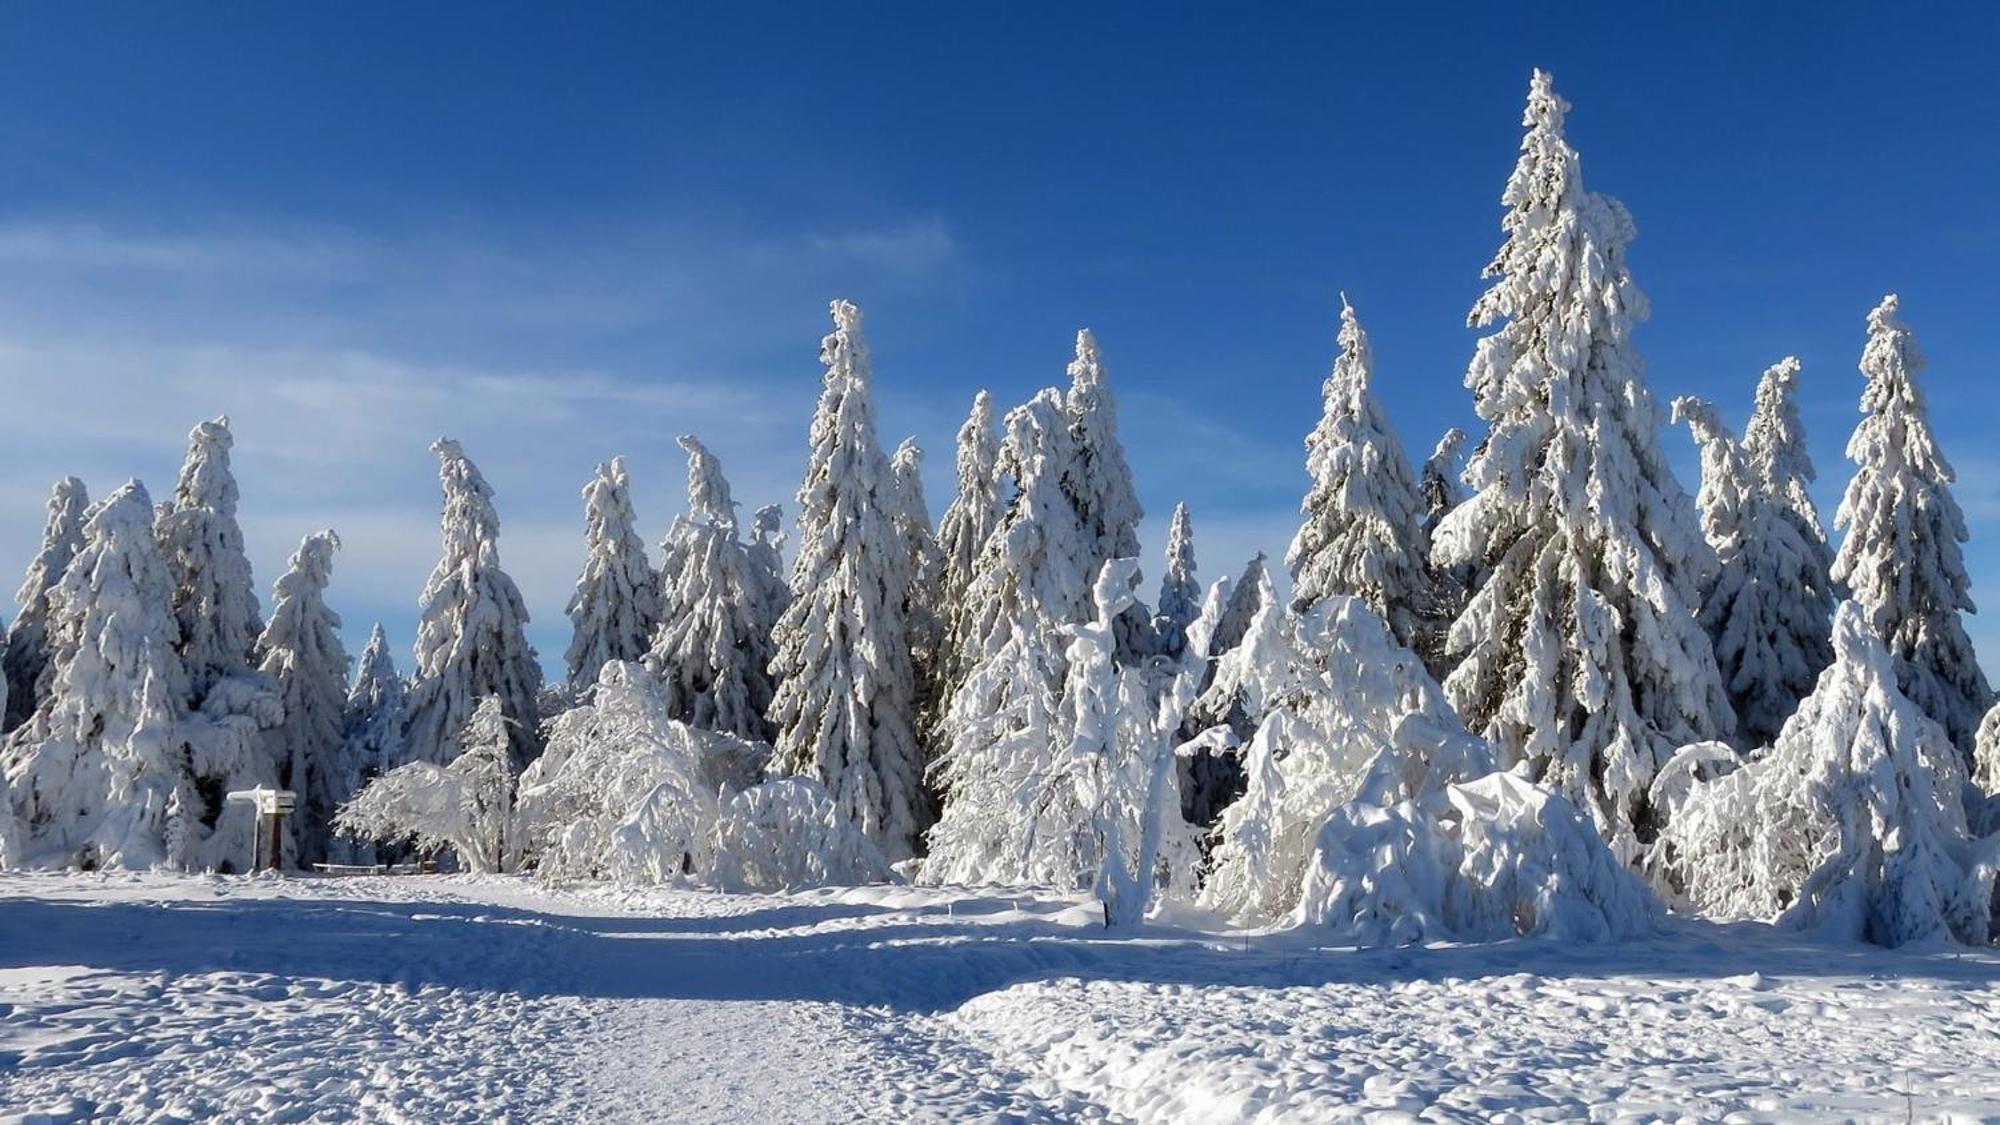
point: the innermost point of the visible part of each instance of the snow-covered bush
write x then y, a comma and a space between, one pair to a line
787, 835
1346, 713
1852, 824
1476, 861
624, 790
466, 805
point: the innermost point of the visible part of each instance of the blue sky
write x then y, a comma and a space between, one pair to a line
563, 234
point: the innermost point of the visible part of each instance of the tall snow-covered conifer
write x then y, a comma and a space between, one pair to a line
471, 636
1363, 531
1579, 650
712, 649
617, 601
923, 610
372, 719
214, 599
1180, 590
844, 705
977, 506
1902, 555
27, 657
303, 656
1438, 481
111, 632
1000, 729
1099, 485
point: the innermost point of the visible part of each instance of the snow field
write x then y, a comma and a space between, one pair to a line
172, 998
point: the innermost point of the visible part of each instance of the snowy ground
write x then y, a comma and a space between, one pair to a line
458, 999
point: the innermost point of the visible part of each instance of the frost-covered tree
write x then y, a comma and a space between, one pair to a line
1346, 712
1986, 752
1766, 604
1180, 590
844, 706
1001, 727
466, 805
1579, 652
372, 719
27, 657
1852, 824
1118, 764
1247, 597
214, 599
923, 612
1438, 481
1774, 444
1902, 556
976, 508
115, 682
712, 649
1363, 533
471, 636
303, 656
767, 551
1099, 484
617, 601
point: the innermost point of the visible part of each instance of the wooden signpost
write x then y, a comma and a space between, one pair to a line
272, 805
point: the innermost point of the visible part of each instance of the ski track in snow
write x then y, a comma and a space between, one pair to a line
164, 998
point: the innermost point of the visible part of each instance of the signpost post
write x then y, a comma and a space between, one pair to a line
271, 806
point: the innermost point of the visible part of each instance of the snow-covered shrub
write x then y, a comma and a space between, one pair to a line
624, 790
1347, 713
466, 805
787, 835
1852, 824
1477, 861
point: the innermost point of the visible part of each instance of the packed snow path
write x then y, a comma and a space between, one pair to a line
459, 999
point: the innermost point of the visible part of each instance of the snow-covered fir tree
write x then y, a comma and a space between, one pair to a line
1363, 533
712, 649
1986, 753
1578, 652
924, 612
214, 599
1000, 729
302, 654
1765, 604
1099, 484
471, 636
1902, 555
27, 655
767, 552
1180, 591
1774, 444
97, 735
1852, 824
1248, 595
1438, 481
372, 719
976, 508
844, 707
616, 605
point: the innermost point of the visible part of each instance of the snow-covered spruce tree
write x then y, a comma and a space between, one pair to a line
471, 635
767, 553
616, 606
976, 508
1852, 824
303, 656
1986, 752
466, 805
111, 631
846, 689
1180, 590
1363, 533
712, 649
1000, 731
1578, 652
27, 657
1438, 481
214, 599
1099, 484
1902, 556
1765, 605
1345, 712
923, 610
1247, 597
1121, 724
1774, 444
372, 719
